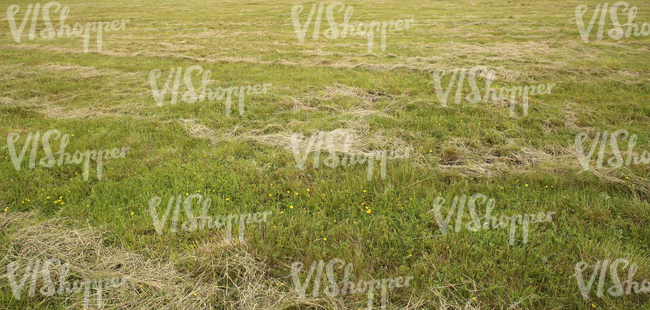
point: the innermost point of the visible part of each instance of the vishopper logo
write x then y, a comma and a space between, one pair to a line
347, 29
48, 289
207, 222
475, 224
205, 92
49, 32
315, 145
345, 286
618, 288
617, 160
49, 160
617, 32
490, 93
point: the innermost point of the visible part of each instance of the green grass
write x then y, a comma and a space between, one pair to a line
527, 163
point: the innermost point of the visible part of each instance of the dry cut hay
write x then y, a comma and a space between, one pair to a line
473, 159
60, 112
54, 106
361, 142
227, 277
82, 72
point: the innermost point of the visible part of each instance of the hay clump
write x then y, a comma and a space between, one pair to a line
154, 283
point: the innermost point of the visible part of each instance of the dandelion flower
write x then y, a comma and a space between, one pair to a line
290, 207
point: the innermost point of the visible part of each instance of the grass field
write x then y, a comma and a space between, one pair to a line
245, 163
